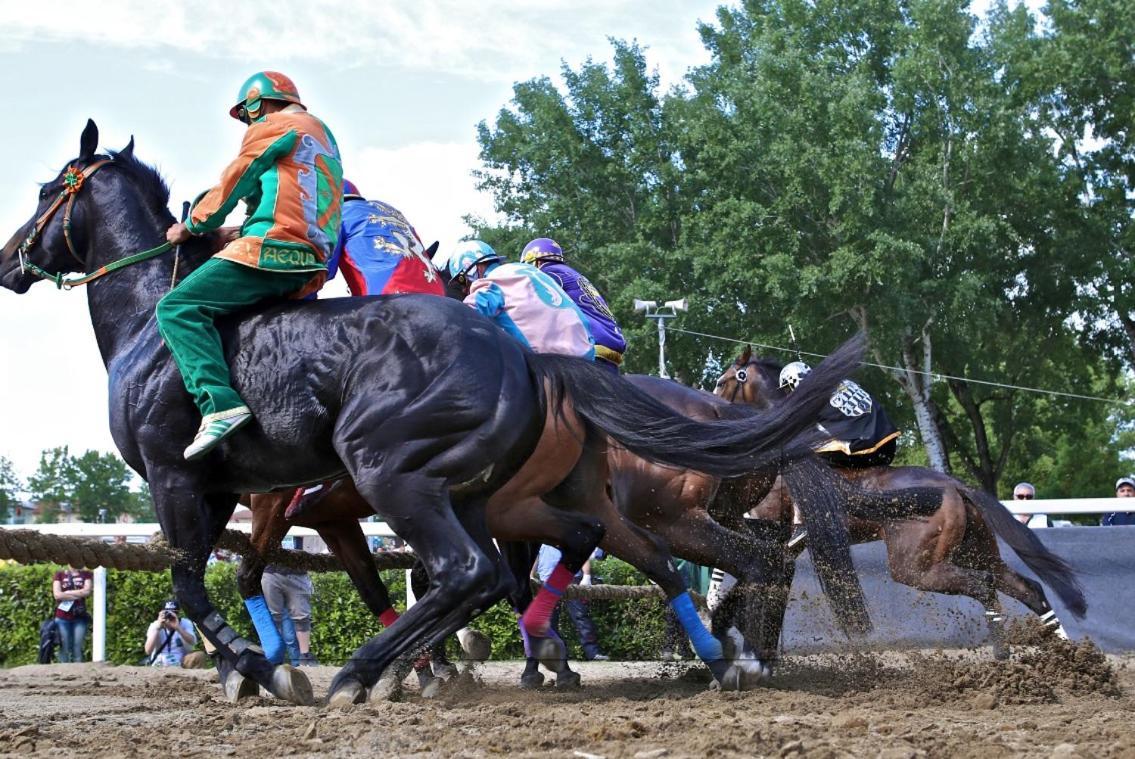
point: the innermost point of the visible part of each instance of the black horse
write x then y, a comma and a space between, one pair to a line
358, 386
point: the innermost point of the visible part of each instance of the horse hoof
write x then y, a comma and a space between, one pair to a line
753, 673
289, 684
238, 687
444, 671
431, 689
567, 680
388, 688
549, 651
476, 645
732, 680
531, 680
351, 692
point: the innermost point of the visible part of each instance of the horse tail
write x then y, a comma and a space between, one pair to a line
1050, 568
729, 447
816, 490
745, 441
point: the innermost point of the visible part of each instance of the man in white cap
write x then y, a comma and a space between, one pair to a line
1124, 488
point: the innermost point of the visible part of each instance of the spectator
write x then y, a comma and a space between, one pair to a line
546, 562
71, 588
1124, 488
1025, 491
290, 590
170, 640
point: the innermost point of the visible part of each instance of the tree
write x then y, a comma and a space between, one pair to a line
10, 487
836, 166
1081, 73
86, 484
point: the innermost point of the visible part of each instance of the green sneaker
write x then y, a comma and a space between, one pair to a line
215, 428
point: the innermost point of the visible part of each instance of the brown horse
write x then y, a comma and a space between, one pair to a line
946, 545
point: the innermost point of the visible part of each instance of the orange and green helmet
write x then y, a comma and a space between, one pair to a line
263, 85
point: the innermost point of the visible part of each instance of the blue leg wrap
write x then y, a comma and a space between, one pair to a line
270, 639
707, 647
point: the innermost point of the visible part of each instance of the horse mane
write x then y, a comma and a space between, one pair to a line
148, 179
770, 370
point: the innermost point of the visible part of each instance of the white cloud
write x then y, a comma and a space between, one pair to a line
431, 183
492, 39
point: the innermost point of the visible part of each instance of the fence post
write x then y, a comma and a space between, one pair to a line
98, 641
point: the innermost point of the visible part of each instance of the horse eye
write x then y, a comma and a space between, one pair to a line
43, 193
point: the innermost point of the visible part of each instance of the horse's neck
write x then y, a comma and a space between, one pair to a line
122, 303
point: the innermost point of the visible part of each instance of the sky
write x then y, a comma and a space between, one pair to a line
402, 84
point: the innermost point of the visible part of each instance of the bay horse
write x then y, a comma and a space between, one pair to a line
941, 539
357, 386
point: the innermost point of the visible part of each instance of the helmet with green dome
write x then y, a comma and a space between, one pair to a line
463, 261
261, 86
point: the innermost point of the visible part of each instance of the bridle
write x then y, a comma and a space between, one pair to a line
73, 181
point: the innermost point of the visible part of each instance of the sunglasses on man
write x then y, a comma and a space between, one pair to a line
1022, 496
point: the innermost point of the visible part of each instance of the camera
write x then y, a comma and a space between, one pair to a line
168, 615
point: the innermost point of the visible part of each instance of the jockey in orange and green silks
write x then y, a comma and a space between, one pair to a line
289, 174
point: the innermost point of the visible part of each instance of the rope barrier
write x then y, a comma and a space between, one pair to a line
30, 547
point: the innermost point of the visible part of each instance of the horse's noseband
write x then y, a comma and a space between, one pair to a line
73, 181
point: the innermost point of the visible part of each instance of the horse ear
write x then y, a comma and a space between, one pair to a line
431, 251
746, 355
128, 151
89, 141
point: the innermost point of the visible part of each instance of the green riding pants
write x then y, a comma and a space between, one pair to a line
186, 315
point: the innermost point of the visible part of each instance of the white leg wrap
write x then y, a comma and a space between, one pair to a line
720, 584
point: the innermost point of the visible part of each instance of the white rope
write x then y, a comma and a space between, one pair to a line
932, 375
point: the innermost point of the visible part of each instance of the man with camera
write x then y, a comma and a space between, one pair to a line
170, 640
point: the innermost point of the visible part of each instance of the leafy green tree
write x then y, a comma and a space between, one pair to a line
10, 487
1081, 74
836, 166
85, 483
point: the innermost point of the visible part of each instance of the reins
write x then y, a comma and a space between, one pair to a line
73, 181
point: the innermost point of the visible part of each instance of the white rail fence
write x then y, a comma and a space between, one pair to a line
1064, 506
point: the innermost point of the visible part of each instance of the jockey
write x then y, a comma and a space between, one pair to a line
521, 299
862, 433
289, 173
546, 254
379, 252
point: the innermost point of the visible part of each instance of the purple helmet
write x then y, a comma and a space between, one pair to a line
349, 189
542, 249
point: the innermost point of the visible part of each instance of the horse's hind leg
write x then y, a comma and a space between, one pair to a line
465, 576
906, 544
1031, 594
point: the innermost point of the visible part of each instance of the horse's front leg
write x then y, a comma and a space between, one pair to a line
192, 523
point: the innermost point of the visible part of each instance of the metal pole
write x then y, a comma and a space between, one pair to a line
662, 348
98, 641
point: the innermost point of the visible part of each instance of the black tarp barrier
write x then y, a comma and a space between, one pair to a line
1103, 557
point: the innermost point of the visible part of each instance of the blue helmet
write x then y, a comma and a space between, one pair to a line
542, 249
463, 261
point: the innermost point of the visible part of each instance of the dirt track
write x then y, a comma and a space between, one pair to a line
1063, 703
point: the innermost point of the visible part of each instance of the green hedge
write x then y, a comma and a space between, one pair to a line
627, 630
